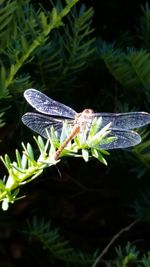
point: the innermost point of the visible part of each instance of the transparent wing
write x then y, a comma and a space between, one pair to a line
125, 138
46, 105
124, 121
39, 123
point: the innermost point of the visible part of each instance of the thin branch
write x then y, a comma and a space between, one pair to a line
115, 237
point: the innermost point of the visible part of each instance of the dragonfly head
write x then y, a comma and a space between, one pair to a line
87, 112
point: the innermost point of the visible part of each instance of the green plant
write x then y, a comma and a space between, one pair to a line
130, 65
67, 53
26, 167
130, 68
130, 256
29, 31
51, 240
28, 39
60, 250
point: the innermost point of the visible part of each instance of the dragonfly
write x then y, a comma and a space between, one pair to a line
53, 113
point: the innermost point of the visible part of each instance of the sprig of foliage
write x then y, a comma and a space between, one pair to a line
30, 31
59, 250
68, 52
130, 256
127, 256
7, 26
27, 167
143, 30
130, 68
78, 43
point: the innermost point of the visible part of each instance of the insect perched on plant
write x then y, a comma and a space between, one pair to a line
52, 113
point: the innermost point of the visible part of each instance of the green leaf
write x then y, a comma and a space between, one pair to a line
3, 74
85, 154
30, 151
97, 154
19, 160
5, 204
2, 185
98, 138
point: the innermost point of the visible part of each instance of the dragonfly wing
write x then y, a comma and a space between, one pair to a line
125, 138
46, 105
39, 123
124, 121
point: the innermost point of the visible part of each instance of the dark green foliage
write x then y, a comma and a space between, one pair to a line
130, 68
59, 250
143, 29
67, 52
126, 256
27, 43
130, 256
130, 65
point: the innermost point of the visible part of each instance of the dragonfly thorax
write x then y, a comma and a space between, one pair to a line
84, 119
